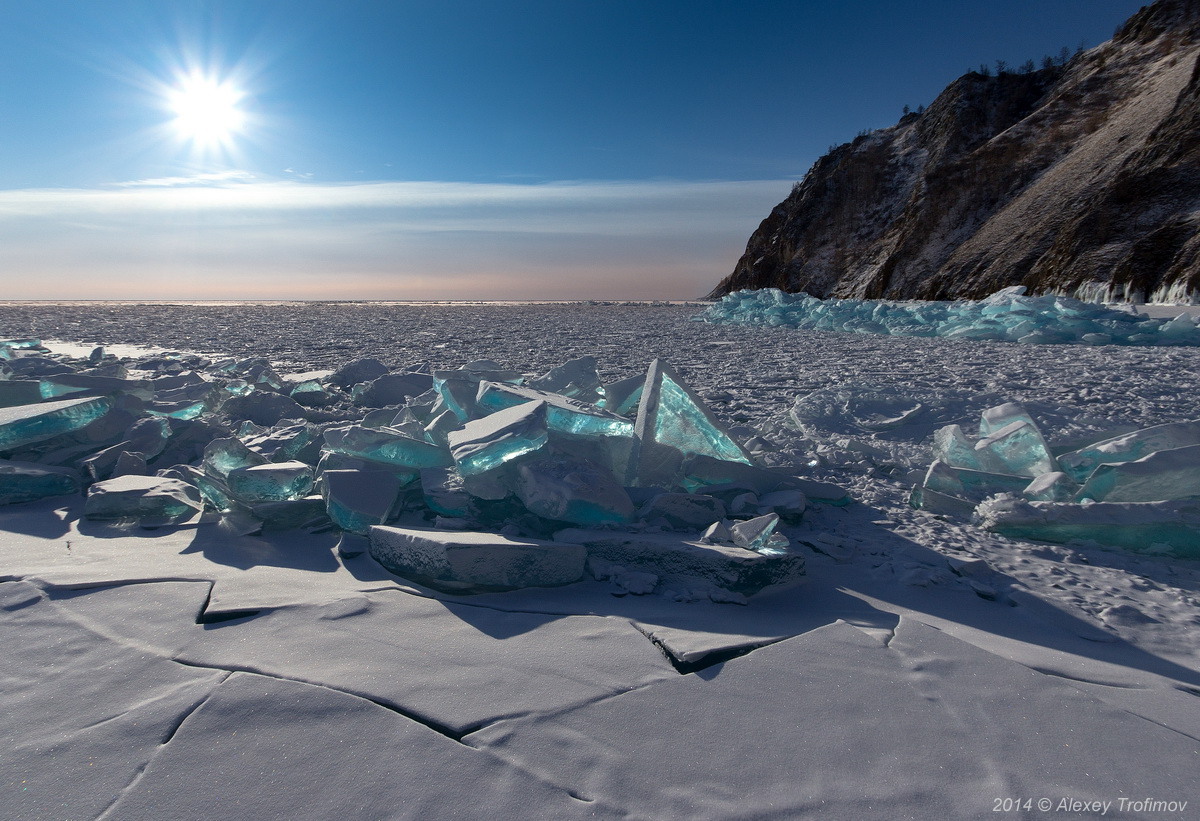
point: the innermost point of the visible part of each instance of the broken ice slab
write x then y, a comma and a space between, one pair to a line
483, 445
1051, 487
149, 500
1129, 447
358, 499
27, 481
790, 504
563, 414
1164, 474
971, 485
714, 474
311, 394
951, 446
392, 389
20, 392
571, 490
26, 424
1017, 448
673, 424
689, 563
147, 437
464, 562
386, 445
1171, 526
329, 460
940, 504
306, 511
272, 482
63, 384
576, 379
623, 395
356, 371
683, 511
993, 419
262, 407
758, 534
221, 456
289, 439
213, 489
444, 494
459, 388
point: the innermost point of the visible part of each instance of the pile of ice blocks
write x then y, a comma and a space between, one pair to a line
1139, 490
1006, 316
405, 461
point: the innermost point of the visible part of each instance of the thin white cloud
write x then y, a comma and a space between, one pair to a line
195, 179
231, 236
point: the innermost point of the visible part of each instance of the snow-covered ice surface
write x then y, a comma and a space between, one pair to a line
925, 668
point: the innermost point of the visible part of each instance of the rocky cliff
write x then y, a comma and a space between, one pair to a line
1079, 178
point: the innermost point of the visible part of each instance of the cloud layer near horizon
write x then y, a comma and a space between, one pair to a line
229, 237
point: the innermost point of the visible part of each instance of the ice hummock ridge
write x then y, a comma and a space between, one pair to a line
1005, 316
480, 448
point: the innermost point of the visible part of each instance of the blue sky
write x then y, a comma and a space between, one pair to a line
430, 150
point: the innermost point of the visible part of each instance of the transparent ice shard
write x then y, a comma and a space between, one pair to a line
673, 424
149, 500
972, 485
993, 419
1051, 487
572, 490
951, 446
484, 445
27, 481
228, 454
386, 445
622, 397
312, 394
1156, 527
272, 482
576, 379
1162, 475
26, 424
475, 562
291, 439
330, 460
1017, 448
458, 389
563, 414
358, 499
1129, 447
758, 534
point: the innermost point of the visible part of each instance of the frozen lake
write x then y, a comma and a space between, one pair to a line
926, 667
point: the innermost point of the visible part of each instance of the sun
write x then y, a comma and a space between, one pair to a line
207, 110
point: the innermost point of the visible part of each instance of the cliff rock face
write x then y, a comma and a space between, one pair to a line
1081, 178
